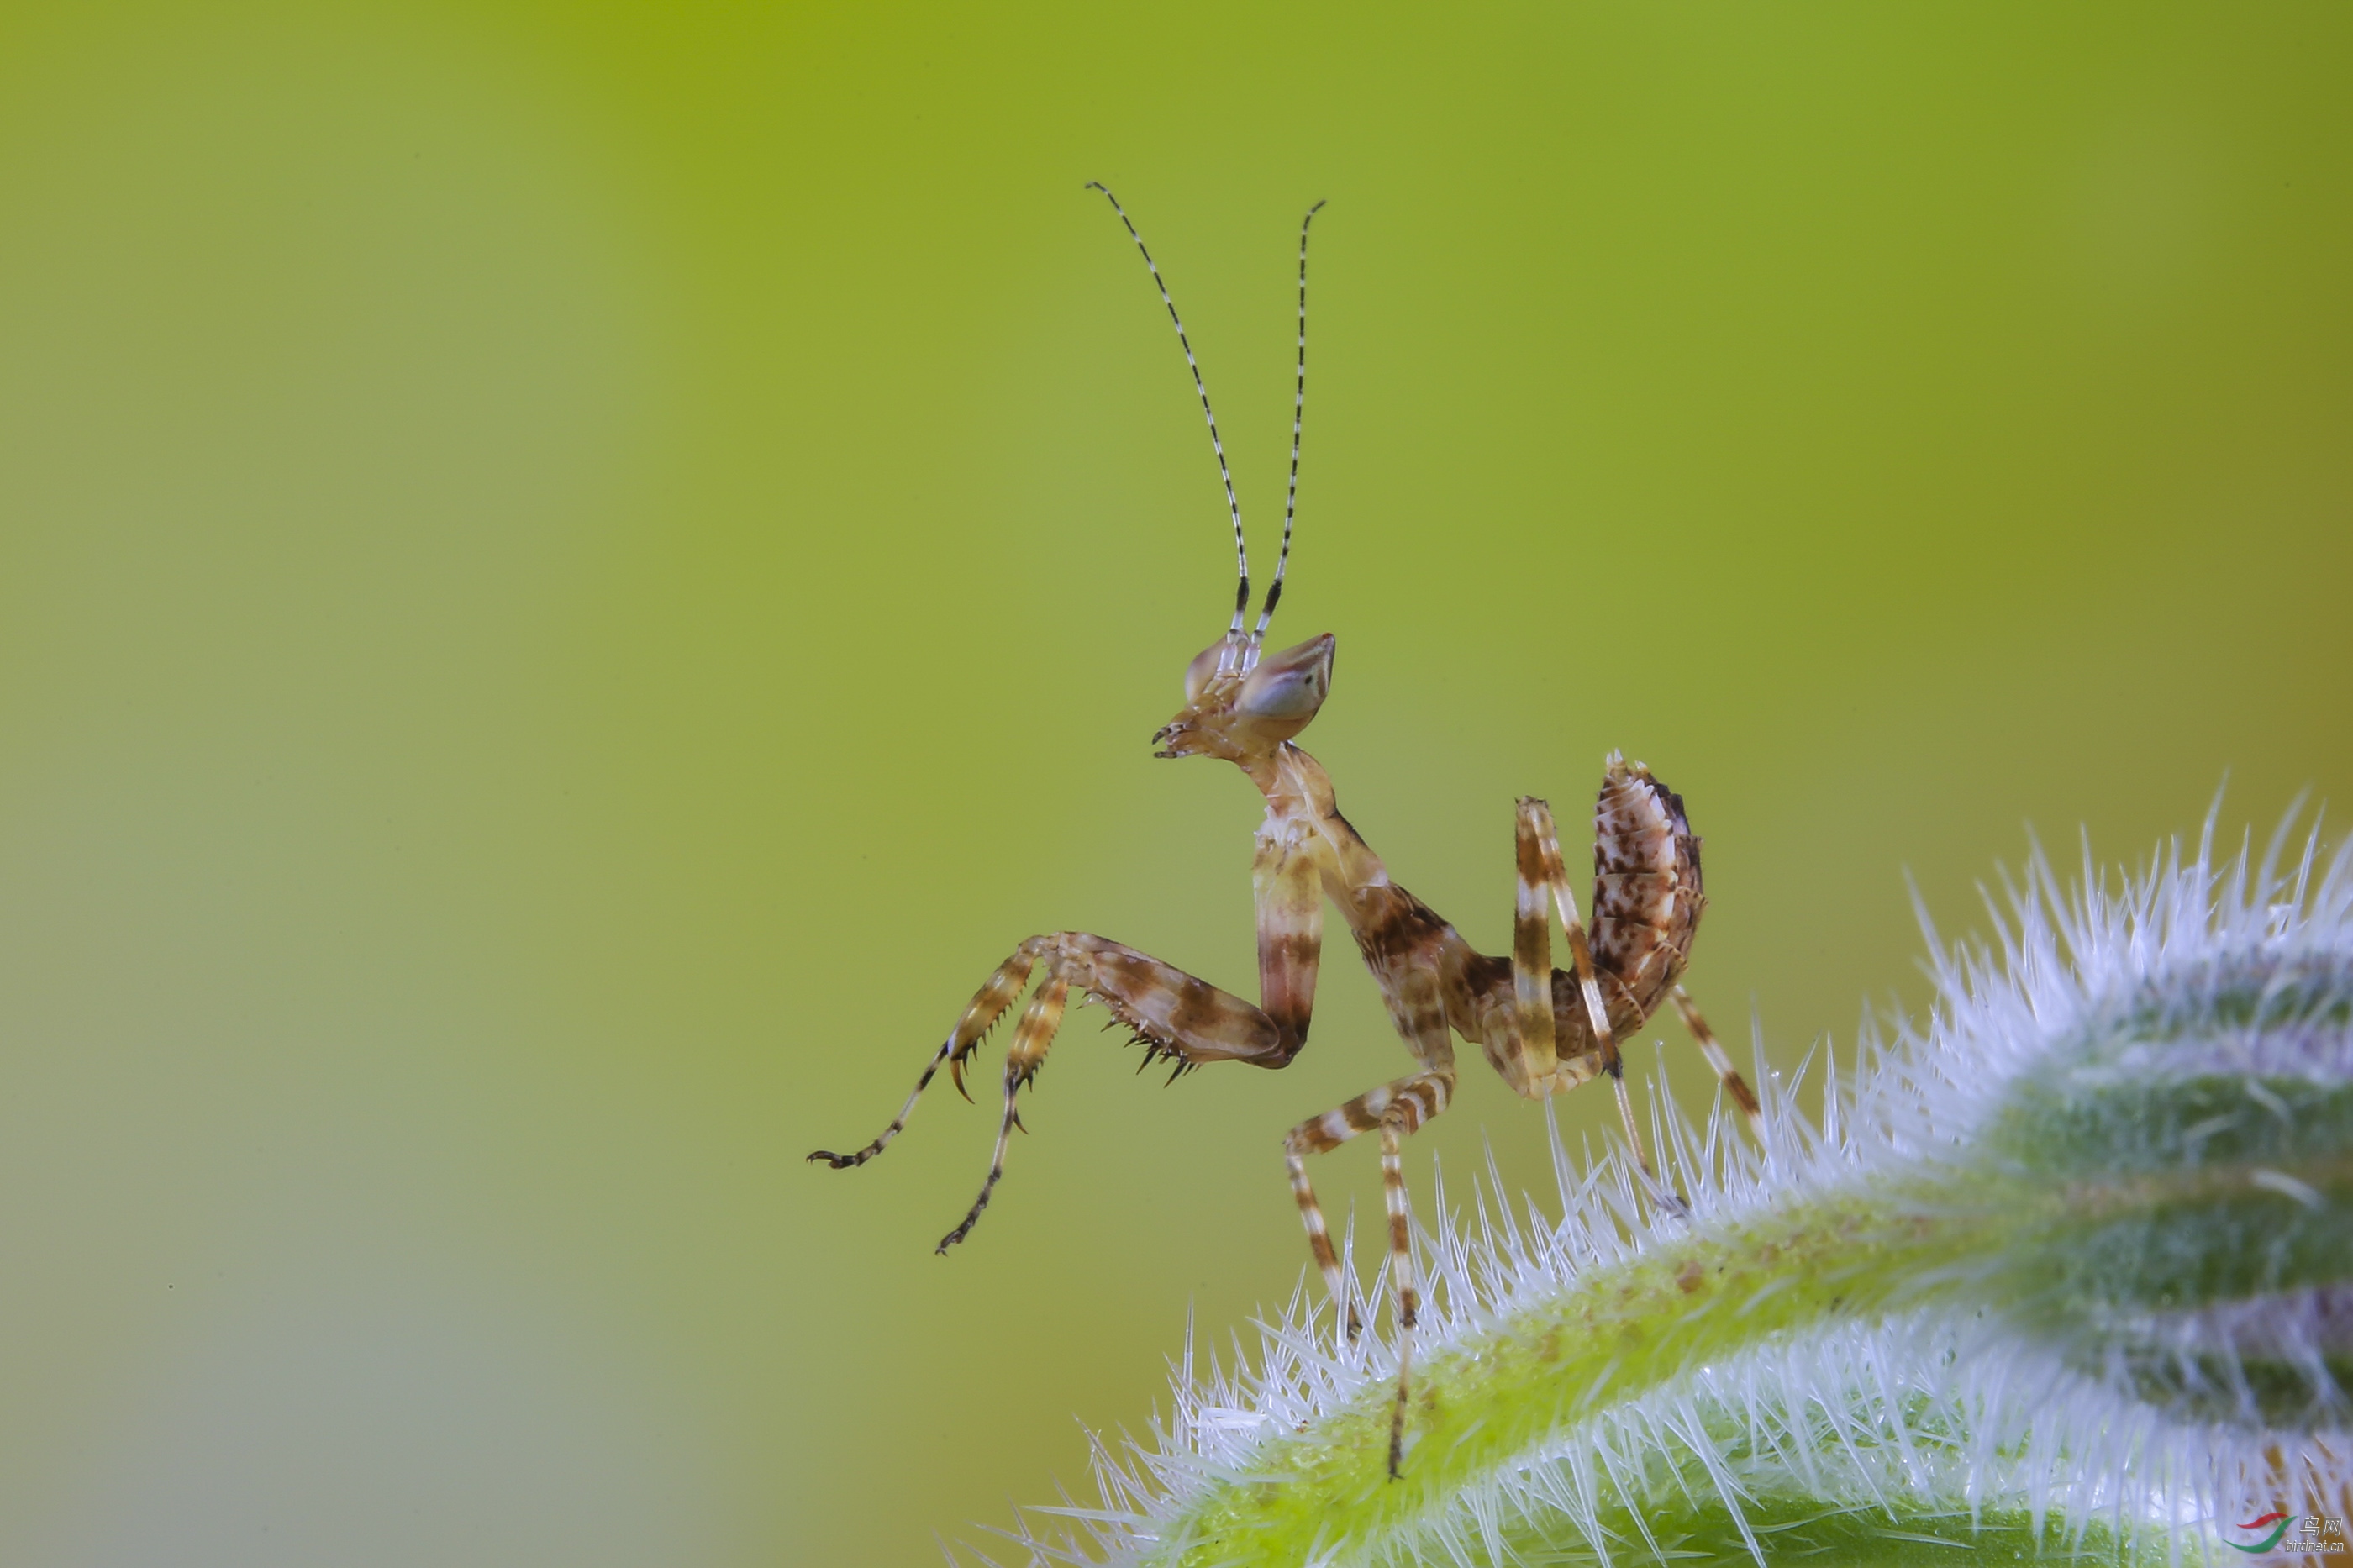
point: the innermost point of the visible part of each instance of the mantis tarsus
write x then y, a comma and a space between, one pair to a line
1541, 1028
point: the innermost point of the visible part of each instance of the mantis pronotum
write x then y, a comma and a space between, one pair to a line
1543, 1029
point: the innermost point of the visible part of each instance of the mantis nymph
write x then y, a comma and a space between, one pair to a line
1541, 1028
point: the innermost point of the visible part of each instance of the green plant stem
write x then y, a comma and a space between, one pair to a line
1990, 1235
1618, 1333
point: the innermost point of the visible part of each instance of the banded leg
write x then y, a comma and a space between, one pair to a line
1173, 1014
1031, 1040
1398, 1110
1403, 1282
1530, 1071
1537, 816
1733, 1084
1319, 1241
987, 1006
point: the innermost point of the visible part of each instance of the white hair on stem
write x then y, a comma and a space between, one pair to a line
2068, 1267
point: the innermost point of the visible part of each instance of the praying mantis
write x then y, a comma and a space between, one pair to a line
1543, 1029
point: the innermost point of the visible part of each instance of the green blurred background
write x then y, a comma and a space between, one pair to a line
572, 577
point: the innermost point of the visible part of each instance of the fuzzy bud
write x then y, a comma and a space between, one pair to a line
2068, 1269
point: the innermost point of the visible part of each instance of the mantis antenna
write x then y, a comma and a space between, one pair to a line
1234, 506
1298, 409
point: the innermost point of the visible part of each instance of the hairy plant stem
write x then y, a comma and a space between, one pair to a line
1619, 1332
1990, 1232
2068, 1271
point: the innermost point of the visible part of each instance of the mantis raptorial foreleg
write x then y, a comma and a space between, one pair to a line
1286, 885
1031, 1041
1171, 1012
998, 993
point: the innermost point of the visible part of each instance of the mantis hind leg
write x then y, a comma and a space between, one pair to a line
1541, 872
1647, 900
1734, 1086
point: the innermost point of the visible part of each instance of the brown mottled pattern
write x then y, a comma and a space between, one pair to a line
1290, 898
1168, 1008
1647, 896
1647, 902
1397, 933
1542, 1029
1574, 1026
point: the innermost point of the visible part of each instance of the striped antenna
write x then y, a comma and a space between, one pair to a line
1298, 410
1241, 551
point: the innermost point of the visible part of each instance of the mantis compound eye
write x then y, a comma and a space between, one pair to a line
1204, 668
1286, 690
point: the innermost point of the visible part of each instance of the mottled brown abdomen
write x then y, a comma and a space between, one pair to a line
1647, 896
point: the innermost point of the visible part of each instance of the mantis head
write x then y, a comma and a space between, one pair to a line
1240, 707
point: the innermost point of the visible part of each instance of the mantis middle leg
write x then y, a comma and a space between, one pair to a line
1396, 1109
